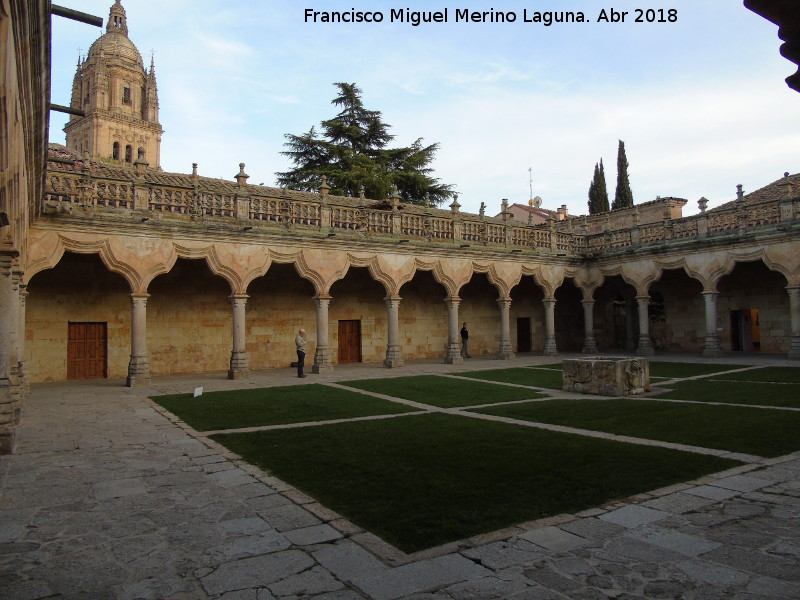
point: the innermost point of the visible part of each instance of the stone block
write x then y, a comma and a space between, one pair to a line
606, 376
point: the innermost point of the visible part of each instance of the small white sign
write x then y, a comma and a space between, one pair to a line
198, 391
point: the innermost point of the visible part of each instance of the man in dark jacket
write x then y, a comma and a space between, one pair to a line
465, 341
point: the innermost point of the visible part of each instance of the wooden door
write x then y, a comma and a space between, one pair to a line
523, 334
87, 351
349, 341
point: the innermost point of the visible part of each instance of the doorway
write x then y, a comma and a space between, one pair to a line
745, 330
523, 334
349, 341
87, 351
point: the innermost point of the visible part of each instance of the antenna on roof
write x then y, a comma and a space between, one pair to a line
530, 182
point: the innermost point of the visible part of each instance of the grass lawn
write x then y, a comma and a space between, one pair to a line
273, 406
673, 370
541, 378
734, 392
424, 480
776, 374
749, 430
444, 392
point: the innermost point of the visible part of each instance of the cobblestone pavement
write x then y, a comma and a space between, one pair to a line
108, 498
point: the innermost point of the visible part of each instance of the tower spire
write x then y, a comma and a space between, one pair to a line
117, 21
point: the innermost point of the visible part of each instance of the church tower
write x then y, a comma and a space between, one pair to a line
120, 99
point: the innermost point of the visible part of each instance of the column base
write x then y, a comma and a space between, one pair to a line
322, 362
239, 374
712, 348
394, 358
550, 348
590, 347
8, 440
714, 352
506, 352
137, 380
239, 367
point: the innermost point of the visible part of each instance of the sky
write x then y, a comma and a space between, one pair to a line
516, 107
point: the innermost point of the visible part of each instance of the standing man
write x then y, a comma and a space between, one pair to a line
465, 341
300, 342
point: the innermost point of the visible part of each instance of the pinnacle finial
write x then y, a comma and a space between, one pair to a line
117, 21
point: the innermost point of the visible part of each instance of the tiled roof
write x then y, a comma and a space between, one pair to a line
771, 192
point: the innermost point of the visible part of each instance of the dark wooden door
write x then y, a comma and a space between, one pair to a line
349, 341
524, 334
87, 351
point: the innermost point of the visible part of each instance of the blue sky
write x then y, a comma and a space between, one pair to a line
700, 102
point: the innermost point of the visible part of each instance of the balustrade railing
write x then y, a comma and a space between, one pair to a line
67, 190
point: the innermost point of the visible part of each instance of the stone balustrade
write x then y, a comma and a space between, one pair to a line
79, 190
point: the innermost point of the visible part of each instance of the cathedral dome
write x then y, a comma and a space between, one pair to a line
115, 45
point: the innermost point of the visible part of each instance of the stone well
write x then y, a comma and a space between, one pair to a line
606, 376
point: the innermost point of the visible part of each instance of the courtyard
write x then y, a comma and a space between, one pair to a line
683, 492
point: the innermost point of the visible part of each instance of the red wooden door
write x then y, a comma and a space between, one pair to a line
349, 341
87, 351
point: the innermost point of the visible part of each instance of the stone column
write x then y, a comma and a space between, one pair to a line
9, 380
589, 343
712, 347
550, 348
322, 354
630, 324
394, 351
794, 319
453, 356
645, 347
139, 365
23, 301
239, 367
506, 351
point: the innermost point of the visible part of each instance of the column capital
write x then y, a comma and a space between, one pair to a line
323, 297
139, 296
237, 296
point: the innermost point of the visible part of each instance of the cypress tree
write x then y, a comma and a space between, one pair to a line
598, 193
602, 190
593, 191
623, 197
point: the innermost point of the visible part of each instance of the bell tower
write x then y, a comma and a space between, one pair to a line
120, 99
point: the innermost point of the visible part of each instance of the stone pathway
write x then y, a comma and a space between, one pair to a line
107, 498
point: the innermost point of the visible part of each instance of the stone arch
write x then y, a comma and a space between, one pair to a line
79, 288
280, 302
189, 319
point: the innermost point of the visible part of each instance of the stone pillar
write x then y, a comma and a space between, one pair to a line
453, 356
589, 343
23, 301
394, 350
712, 347
794, 319
10, 392
630, 324
139, 365
239, 367
322, 354
645, 347
550, 348
506, 351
